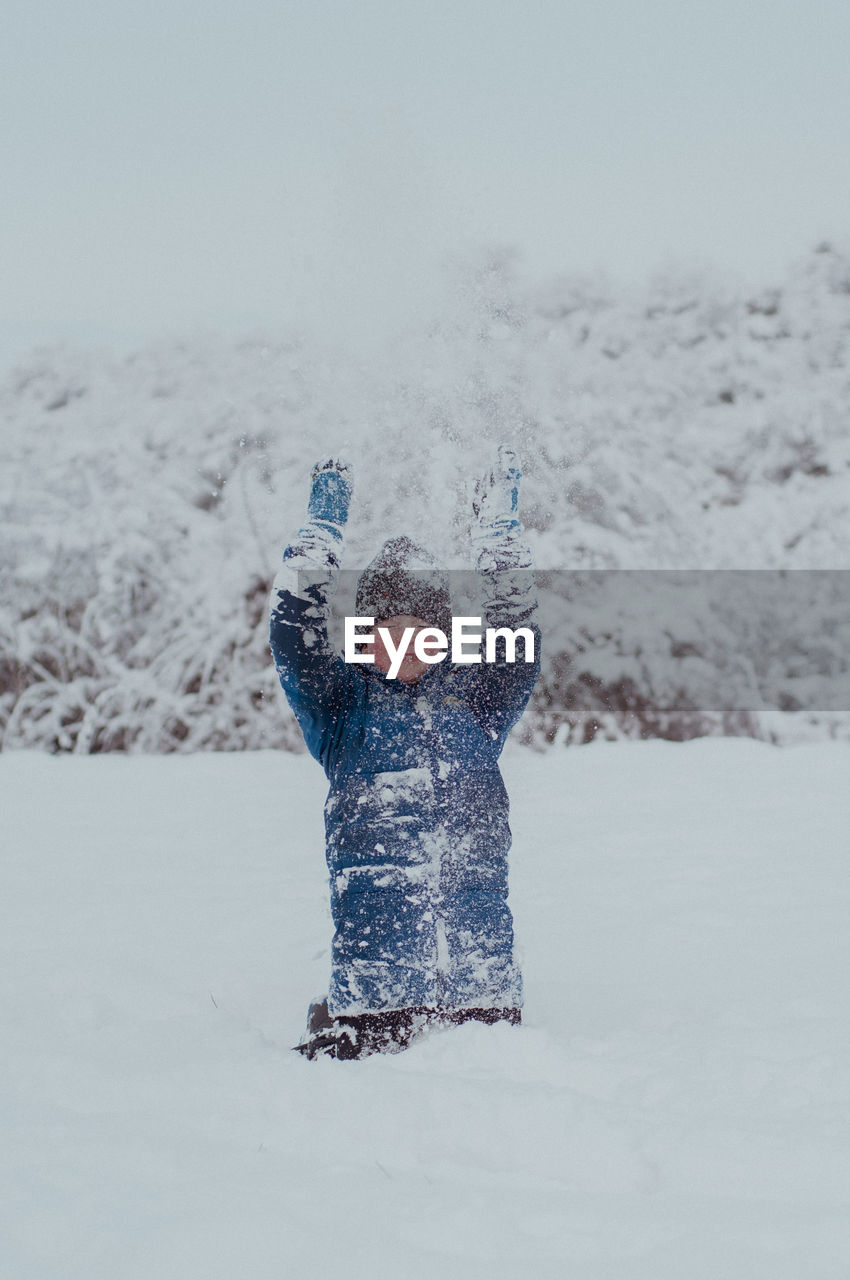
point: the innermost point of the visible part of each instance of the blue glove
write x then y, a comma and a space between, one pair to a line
495, 498
331, 492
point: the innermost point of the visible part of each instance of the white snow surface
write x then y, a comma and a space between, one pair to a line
675, 1104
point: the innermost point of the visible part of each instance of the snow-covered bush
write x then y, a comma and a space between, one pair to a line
694, 425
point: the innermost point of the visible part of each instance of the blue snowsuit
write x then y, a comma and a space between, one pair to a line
416, 817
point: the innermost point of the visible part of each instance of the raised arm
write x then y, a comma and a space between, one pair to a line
508, 594
316, 681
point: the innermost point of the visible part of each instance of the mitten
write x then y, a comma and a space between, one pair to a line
331, 492
320, 538
495, 499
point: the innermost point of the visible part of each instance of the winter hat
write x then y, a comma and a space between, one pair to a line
404, 579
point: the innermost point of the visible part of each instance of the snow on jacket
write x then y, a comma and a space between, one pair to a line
416, 817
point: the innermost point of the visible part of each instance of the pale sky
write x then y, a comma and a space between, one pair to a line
182, 163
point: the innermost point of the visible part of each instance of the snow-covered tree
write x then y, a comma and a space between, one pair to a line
690, 426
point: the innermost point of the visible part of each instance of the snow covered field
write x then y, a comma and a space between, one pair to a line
674, 1108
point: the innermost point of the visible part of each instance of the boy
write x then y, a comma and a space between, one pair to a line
416, 817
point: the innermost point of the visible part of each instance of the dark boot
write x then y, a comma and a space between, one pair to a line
322, 1032
359, 1035
389, 1031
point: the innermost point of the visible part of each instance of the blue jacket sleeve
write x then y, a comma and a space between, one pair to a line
316, 681
502, 688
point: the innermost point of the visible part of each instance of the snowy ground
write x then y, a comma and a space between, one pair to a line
674, 1108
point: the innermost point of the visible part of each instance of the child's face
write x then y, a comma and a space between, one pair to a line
411, 667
